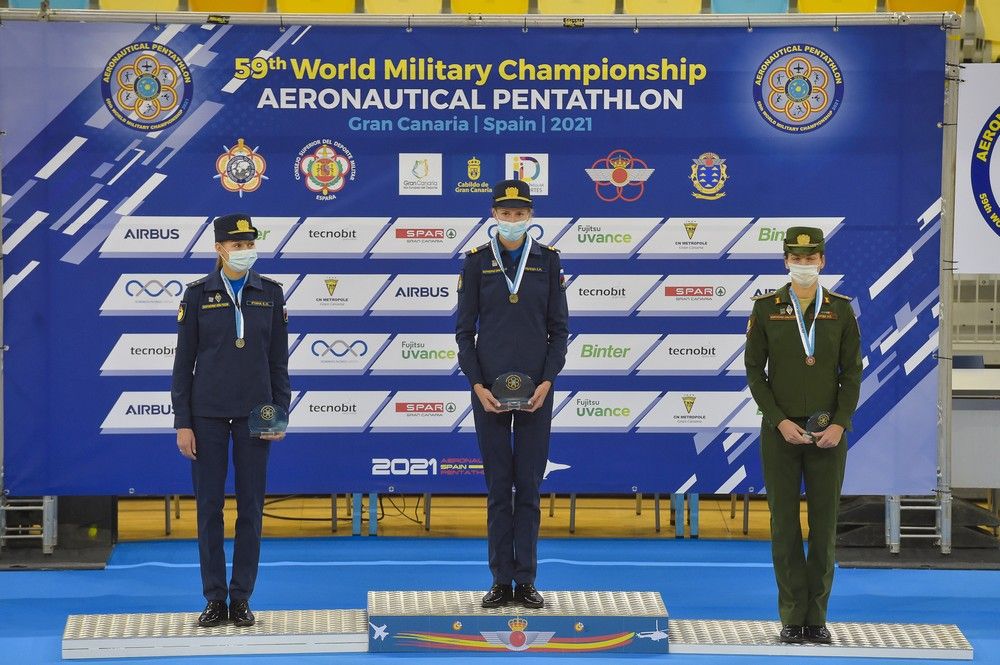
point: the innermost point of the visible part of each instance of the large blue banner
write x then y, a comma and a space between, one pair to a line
666, 164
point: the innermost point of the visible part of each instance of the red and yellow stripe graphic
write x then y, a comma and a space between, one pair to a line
555, 645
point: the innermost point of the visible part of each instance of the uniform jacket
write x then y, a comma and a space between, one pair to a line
211, 376
781, 383
496, 336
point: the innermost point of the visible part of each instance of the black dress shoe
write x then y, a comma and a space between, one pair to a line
528, 596
213, 614
791, 635
817, 635
240, 614
498, 595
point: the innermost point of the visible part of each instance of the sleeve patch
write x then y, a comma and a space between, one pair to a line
284, 313
181, 311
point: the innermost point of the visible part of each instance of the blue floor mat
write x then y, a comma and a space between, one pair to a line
698, 580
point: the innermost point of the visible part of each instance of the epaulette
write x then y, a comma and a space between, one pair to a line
838, 295
763, 296
270, 279
198, 281
480, 248
550, 248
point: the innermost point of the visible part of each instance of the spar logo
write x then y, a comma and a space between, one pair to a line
425, 234
146, 86
798, 88
619, 177
982, 186
426, 408
694, 292
240, 168
325, 167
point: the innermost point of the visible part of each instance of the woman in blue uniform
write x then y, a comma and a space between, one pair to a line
232, 355
512, 317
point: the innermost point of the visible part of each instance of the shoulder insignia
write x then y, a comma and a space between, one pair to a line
838, 295
269, 279
478, 249
551, 248
200, 280
763, 296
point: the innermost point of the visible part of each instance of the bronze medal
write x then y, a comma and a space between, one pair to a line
810, 360
240, 343
513, 298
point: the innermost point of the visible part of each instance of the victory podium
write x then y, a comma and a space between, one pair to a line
453, 622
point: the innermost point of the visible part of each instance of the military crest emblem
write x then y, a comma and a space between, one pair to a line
240, 168
708, 175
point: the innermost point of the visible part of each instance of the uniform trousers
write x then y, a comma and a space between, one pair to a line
804, 581
515, 448
250, 455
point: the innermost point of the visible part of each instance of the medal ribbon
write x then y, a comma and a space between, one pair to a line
808, 337
237, 300
512, 286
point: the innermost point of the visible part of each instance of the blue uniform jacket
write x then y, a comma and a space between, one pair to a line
212, 377
528, 336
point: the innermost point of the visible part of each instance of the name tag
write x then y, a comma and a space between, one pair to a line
215, 305
829, 316
783, 317
531, 269
494, 271
259, 303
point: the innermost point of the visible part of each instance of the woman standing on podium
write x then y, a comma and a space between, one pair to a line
512, 317
232, 355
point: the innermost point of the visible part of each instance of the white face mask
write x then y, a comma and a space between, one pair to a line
803, 275
241, 260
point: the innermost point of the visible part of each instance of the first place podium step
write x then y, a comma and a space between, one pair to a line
572, 622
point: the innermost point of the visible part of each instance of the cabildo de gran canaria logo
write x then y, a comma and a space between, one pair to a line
146, 86
982, 186
798, 88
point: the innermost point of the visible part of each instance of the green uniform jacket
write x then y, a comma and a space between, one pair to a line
781, 383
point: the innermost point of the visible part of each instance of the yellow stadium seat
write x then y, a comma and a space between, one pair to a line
140, 5
403, 6
837, 6
957, 6
662, 6
989, 13
315, 6
749, 6
576, 7
227, 6
489, 6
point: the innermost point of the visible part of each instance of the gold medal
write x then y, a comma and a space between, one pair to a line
513, 298
240, 343
810, 360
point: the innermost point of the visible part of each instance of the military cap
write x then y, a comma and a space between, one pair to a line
511, 194
235, 227
804, 240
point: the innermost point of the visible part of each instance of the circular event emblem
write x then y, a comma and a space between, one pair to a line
798, 88
146, 86
267, 413
513, 382
325, 167
240, 168
982, 185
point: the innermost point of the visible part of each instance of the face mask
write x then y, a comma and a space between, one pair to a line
241, 260
803, 275
511, 231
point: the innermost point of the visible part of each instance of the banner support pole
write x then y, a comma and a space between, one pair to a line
948, 149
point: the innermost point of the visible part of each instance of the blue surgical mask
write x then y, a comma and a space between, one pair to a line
242, 260
511, 231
